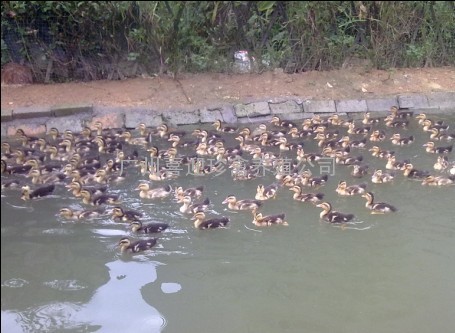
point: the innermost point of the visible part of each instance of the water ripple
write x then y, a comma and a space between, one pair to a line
15, 283
63, 285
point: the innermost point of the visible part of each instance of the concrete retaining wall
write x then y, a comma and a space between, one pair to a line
39, 119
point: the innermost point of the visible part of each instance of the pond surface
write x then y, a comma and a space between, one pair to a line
381, 273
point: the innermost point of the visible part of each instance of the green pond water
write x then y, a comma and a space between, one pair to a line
381, 273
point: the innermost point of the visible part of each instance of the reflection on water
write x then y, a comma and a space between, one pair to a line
380, 273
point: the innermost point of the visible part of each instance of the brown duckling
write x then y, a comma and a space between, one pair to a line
378, 152
246, 204
358, 130
333, 216
220, 128
89, 199
18, 169
368, 120
147, 193
138, 246
410, 172
380, 177
438, 180
192, 208
215, 223
442, 163
150, 228
344, 189
431, 148
193, 192
265, 193
397, 113
125, 215
399, 141
282, 123
359, 170
265, 221
345, 141
377, 135
76, 187
38, 178
305, 197
429, 125
37, 193
390, 121
393, 164
70, 214
379, 207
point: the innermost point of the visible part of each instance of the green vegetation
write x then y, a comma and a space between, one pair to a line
89, 40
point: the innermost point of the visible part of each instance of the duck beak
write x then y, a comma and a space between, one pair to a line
225, 201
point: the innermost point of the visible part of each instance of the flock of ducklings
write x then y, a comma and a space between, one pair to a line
90, 162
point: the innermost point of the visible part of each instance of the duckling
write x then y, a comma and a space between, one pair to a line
410, 172
190, 208
102, 177
399, 141
347, 160
265, 193
430, 148
89, 199
391, 122
37, 193
147, 193
150, 228
442, 163
358, 130
428, 125
380, 177
393, 164
377, 208
139, 141
344, 189
345, 141
164, 131
265, 221
305, 197
378, 152
295, 133
438, 180
125, 215
38, 178
282, 123
337, 121
377, 135
10, 170
359, 170
215, 223
397, 113
193, 192
70, 214
308, 180
10, 184
246, 204
138, 246
333, 216
220, 128
367, 120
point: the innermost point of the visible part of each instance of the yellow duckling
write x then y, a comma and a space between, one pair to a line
138, 246
380, 177
344, 189
147, 193
215, 223
265, 221
377, 208
333, 216
246, 204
